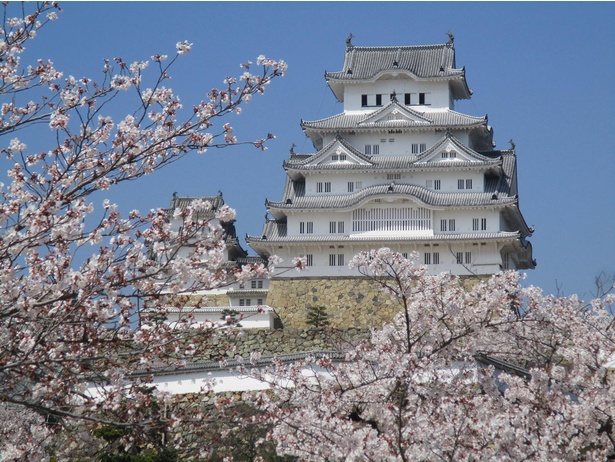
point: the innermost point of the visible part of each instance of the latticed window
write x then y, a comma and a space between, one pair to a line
391, 219
432, 258
447, 225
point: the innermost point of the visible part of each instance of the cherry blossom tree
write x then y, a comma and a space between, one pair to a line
495, 371
73, 270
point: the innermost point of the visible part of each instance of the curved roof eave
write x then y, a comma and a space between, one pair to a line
361, 238
419, 194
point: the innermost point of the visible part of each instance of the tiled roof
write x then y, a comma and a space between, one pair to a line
182, 203
357, 121
396, 163
424, 195
425, 61
233, 364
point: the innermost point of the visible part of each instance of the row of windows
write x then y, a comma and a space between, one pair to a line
409, 99
478, 224
257, 284
429, 258
430, 184
338, 157
248, 301
374, 149
396, 220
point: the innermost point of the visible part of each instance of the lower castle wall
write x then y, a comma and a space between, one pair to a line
350, 302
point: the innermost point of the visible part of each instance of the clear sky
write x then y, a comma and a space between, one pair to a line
543, 72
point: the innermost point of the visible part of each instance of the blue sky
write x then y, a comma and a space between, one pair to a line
543, 72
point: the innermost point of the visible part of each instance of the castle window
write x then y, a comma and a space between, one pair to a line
336, 227
407, 99
469, 184
421, 98
259, 301
368, 149
342, 156
391, 140
447, 225
393, 176
309, 259
468, 258
334, 157
378, 100
479, 224
332, 259
415, 148
432, 258
376, 149
351, 186
340, 259
391, 219
306, 227
363, 100
423, 147
319, 186
436, 184
459, 258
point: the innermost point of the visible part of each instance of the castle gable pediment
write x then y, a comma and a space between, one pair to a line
337, 152
450, 149
395, 114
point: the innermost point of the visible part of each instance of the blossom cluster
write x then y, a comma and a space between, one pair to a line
495, 371
85, 289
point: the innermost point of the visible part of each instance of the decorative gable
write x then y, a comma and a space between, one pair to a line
395, 114
338, 152
450, 149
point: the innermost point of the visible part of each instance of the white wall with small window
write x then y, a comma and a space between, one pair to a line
365, 96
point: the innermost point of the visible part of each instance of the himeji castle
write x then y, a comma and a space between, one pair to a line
399, 168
